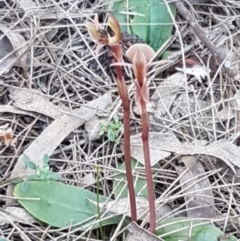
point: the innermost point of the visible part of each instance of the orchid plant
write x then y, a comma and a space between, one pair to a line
113, 42
141, 56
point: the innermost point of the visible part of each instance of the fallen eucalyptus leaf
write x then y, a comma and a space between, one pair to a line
15, 110
201, 203
165, 144
34, 101
223, 149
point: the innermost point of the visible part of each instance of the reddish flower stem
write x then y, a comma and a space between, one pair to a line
122, 89
128, 163
145, 140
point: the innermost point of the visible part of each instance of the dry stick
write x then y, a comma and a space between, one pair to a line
145, 140
122, 89
217, 53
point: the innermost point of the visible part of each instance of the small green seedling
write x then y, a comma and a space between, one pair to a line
43, 173
113, 129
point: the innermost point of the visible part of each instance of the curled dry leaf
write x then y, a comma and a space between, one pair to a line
193, 61
92, 127
200, 204
6, 136
34, 101
15, 110
88, 180
225, 114
51, 33
136, 233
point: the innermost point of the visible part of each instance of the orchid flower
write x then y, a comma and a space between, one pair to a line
140, 55
94, 30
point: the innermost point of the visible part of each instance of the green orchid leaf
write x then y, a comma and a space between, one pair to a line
119, 184
150, 20
61, 205
166, 54
179, 229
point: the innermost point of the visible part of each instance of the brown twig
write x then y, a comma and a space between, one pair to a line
219, 55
